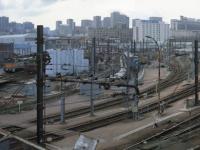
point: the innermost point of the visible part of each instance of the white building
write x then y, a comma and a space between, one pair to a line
24, 44
66, 62
153, 27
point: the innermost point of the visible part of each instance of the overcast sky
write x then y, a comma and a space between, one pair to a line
46, 12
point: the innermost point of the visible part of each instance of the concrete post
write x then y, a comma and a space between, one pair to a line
40, 85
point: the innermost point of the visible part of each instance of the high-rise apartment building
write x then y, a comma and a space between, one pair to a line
7, 27
119, 20
106, 23
13, 27
97, 22
153, 27
70, 23
16, 28
20, 28
58, 23
4, 24
28, 26
86, 24
71, 26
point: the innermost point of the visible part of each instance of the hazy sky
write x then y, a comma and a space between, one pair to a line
46, 12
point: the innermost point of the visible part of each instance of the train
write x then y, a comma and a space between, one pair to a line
15, 64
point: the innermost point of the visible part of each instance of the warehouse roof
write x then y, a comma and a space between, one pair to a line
17, 35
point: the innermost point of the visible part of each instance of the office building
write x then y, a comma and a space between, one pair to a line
64, 42
124, 35
185, 23
185, 27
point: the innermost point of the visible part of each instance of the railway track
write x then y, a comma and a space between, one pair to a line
188, 125
103, 121
6, 79
83, 110
175, 77
14, 78
178, 75
107, 120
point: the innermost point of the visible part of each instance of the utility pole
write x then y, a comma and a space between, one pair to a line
196, 62
112, 62
159, 78
136, 77
108, 49
40, 86
93, 53
132, 51
128, 76
169, 49
62, 102
73, 63
143, 46
134, 45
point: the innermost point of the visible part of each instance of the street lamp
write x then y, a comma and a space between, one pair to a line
158, 86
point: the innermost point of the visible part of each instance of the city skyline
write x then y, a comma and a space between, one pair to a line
39, 11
